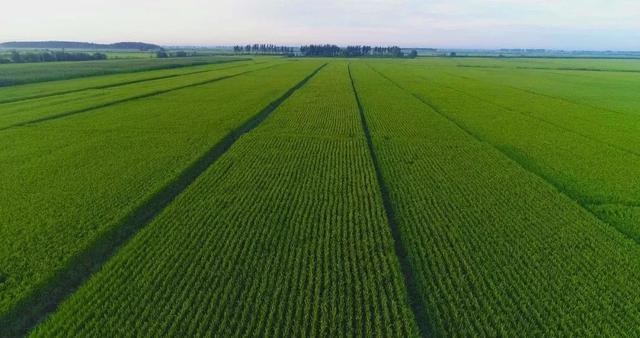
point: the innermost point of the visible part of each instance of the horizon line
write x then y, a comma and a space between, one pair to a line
219, 45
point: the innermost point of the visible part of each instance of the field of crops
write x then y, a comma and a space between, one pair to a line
111, 54
324, 197
14, 74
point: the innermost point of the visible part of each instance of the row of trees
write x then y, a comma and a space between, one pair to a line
325, 50
30, 57
263, 49
355, 51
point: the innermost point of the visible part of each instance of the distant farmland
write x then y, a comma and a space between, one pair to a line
290, 197
15, 74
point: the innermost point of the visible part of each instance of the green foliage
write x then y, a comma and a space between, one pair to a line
85, 173
557, 126
132, 87
284, 236
13, 74
51, 88
497, 251
511, 185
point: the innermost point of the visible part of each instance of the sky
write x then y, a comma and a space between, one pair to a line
559, 24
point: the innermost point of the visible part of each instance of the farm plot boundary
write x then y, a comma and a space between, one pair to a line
415, 301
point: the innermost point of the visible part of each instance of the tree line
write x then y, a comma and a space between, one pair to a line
263, 49
47, 56
328, 50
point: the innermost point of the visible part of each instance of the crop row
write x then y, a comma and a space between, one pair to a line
580, 106
66, 182
565, 66
17, 113
586, 153
52, 88
285, 235
601, 90
494, 249
14, 74
597, 107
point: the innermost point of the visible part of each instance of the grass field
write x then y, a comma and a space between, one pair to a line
14, 74
322, 197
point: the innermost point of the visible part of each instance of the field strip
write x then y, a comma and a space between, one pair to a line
522, 162
112, 103
291, 241
481, 67
596, 139
46, 299
414, 299
553, 69
528, 114
580, 69
589, 137
32, 73
112, 85
549, 96
531, 115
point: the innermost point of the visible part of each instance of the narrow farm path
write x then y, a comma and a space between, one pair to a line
414, 299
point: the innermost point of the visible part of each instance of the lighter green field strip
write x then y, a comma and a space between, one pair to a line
612, 129
33, 111
602, 99
600, 176
283, 236
609, 92
39, 90
588, 126
569, 65
67, 182
496, 250
585, 168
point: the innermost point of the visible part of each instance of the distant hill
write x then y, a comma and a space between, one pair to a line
79, 45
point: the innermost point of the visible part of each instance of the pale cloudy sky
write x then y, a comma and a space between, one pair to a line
560, 24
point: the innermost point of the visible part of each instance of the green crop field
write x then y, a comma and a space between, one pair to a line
320, 197
14, 74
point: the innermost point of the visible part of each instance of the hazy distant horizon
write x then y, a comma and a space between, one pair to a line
341, 45
595, 25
